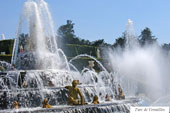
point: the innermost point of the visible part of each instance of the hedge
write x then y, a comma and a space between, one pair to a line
71, 50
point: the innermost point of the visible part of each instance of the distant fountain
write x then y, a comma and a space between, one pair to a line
141, 70
2, 37
131, 38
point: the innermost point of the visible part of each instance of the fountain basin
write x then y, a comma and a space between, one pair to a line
106, 107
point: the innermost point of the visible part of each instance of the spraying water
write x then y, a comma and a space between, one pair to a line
2, 37
37, 49
141, 70
131, 38
40, 39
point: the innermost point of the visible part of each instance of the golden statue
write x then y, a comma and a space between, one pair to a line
74, 92
2, 68
24, 84
50, 83
15, 105
120, 93
45, 104
107, 97
95, 100
91, 65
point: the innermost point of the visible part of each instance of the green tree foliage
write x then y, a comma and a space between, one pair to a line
146, 37
120, 42
67, 30
166, 46
6, 46
98, 43
70, 43
66, 35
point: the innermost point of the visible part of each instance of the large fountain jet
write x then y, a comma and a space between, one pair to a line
39, 45
130, 35
141, 70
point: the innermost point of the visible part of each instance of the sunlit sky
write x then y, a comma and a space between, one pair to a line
97, 19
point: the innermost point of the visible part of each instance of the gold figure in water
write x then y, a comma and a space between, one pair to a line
74, 92
2, 68
45, 104
121, 94
95, 100
107, 97
15, 105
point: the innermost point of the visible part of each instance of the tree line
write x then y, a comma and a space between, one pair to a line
66, 35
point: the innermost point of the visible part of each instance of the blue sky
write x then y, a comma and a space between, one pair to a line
97, 19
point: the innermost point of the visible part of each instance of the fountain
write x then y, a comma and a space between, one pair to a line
39, 70
2, 37
40, 49
142, 71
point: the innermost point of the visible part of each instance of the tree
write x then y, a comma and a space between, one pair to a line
120, 42
166, 46
67, 35
98, 43
146, 37
66, 32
